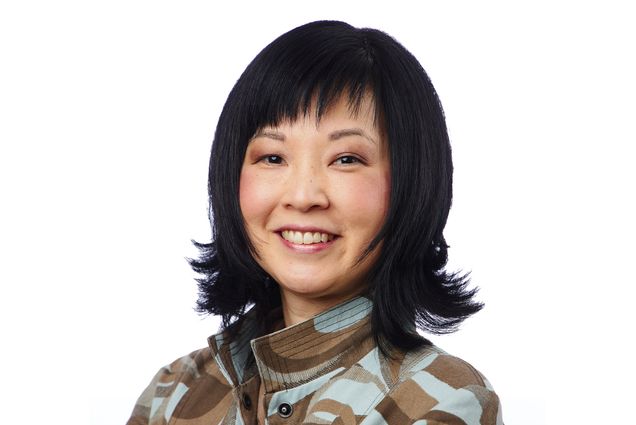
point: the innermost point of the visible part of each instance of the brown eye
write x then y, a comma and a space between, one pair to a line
347, 160
272, 159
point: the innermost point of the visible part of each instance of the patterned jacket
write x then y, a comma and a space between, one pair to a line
326, 370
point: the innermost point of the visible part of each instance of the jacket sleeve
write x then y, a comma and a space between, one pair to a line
443, 390
161, 397
141, 412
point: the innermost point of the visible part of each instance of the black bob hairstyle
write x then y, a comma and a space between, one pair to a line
317, 63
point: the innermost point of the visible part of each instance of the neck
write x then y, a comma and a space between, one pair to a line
297, 309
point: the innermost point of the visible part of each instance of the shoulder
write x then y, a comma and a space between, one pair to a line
433, 385
191, 364
184, 371
445, 367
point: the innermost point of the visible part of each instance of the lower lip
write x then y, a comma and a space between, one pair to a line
310, 248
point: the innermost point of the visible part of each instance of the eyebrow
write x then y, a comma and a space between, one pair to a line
270, 135
338, 134
334, 135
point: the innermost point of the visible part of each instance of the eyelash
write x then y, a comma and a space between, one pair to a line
355, 159
277, 160
267, 158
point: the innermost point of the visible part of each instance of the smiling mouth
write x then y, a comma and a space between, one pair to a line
306, 238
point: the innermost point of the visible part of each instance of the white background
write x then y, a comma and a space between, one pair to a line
107, 111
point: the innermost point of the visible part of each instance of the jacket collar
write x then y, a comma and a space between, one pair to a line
297, 354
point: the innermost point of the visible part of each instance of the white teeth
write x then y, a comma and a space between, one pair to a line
305, 238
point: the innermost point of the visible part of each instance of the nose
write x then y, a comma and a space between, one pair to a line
306, 189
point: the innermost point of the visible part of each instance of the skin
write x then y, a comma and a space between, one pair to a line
332, 176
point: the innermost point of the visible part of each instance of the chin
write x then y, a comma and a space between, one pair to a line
306, 286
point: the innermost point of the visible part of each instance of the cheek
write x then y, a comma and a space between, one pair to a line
249, 199
258, 196
367, 201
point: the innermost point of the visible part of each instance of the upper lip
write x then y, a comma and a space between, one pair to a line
304, 229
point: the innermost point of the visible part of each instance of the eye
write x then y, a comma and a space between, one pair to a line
347, 160
271, 159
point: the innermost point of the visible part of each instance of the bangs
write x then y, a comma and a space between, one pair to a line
303, 71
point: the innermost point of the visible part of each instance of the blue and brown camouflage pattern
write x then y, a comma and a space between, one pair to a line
326, 370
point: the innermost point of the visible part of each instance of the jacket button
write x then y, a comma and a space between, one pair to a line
285, 410
247, 401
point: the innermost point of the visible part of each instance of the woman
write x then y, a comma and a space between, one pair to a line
330, 185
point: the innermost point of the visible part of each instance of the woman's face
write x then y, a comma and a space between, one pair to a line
313, 195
